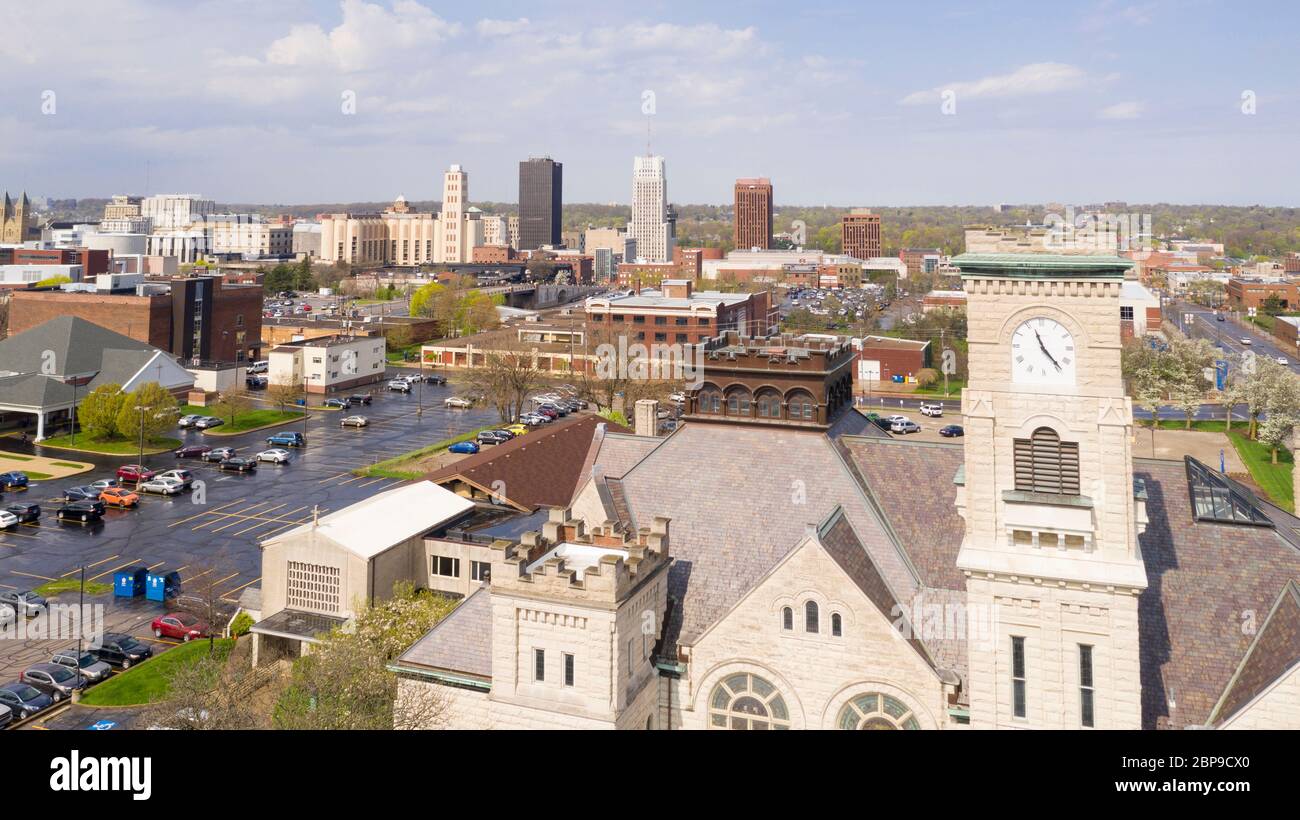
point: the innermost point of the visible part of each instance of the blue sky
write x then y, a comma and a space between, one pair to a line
840, 103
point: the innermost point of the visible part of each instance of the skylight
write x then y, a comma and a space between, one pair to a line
1216, 497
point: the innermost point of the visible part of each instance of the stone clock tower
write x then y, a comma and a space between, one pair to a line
1052, 513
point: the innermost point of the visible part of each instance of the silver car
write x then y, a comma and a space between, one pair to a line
25, 601
92, 669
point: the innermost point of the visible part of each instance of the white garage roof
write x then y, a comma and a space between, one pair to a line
383, 521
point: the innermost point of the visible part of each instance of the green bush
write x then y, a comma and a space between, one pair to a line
241, 625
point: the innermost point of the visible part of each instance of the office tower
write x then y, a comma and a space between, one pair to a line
541, 188
650, 225
455, 196
860, 234
752, 227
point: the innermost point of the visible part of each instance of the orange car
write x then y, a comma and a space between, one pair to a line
118, 497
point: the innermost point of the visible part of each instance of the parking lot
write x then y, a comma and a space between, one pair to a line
215, 529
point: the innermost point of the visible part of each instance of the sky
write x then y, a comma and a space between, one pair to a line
839, 103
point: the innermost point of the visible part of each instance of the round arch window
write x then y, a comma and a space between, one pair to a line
876, 711
746, 701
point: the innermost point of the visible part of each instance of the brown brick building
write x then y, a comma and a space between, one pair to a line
860, 234
197, 317
1253, 293
92, 262
752, 224
881, 358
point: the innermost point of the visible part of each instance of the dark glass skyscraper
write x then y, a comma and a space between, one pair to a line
541, 202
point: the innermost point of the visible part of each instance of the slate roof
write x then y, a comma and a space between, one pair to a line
540, 469
34, 390
460, 642
78, 347
1275, 651
740, 499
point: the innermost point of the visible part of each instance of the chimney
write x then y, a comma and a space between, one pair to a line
646, 422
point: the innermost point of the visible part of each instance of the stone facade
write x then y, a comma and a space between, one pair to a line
1275, 708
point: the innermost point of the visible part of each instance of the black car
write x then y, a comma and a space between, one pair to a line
360, 398
435, 379
952, 431
122, 650
492, 437
83, 511
23, 699
238, 465
192, 451
25, 512
86, 493
337, 404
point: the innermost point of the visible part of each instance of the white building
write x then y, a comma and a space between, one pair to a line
455, 195
168, 211
649, 225
31, 274
329, 363
248, 235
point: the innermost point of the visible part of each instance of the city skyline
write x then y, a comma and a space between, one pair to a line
1105, 101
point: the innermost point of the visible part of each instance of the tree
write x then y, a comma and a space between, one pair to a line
209, 693
284, 394
279, 278
399, 337
1269, 387
422, 301
1276, 429
507, 377
157, 417
345, 683
302, 276
1187, 384
99, 411
232, 403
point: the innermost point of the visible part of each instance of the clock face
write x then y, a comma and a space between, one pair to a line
1042, 352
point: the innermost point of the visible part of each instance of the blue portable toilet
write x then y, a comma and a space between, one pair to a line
159, 586
128, 582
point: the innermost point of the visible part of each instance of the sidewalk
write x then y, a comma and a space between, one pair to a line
52, 467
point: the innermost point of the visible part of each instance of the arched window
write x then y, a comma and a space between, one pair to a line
810, 617
769, 404
876, 711
787, 618
710, 400
738, 401
799, 405
837, 625
1045, 464
747, 701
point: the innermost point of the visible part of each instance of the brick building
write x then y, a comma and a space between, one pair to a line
860, 234
752, 224
920, 260
92, 262
678, 314
1253, 293
195, 317
881, 358
690, 261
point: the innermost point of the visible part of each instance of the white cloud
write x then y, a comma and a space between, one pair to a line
1028, 80
1129, 110
501, 28
369, 34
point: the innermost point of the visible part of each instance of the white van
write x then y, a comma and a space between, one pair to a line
933, 410
259, 367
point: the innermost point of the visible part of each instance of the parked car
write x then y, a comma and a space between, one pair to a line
57, 681
354, 421
14, 480
533, 420
434, 378
952, 431
163, 486
274, 456
208, 422
6, 715
180, 626
188, 420
1218, 317
134, 473
492, 437
23, 699
85, 493
120, 498
122, 650
7, 520
336, 404
465, 447
83, 511
457, 402
24, 512
933, 410
191, 451
360, 398
905, 426
517, 429
218, 454
677, 398
257, 382
399, 385
24, 602
91, 668
1282, 361
287, 440
103, 484
1245, 340
185, 477
238, 465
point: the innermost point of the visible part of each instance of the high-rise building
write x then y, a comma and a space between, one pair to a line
455, 196
752, 226
860, 234
541, 202
168, 211
650, 225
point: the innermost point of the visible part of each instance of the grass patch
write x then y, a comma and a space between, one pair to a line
16, 457
149, 682
62, 585
1273, 479
116, 447
392, 467
250, 420
35, 476
1198, 425
954, 389
71, 465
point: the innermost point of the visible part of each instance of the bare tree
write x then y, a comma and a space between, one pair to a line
284, 394
232, 403
506, 377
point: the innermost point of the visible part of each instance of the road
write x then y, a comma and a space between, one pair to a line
1228, 334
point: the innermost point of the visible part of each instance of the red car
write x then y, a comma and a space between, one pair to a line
180, 626
134, 473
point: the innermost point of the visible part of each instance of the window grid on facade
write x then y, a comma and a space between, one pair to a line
810, 623
787, 618
312, 587
445, 567
539, 665
1086, 691
1045, 464
568, 669
1018, 676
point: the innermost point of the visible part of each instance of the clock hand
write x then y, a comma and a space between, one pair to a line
1043, 347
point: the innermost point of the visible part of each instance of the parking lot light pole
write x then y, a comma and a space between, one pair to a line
140, 409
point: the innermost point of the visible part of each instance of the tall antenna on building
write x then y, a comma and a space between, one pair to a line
648, 152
